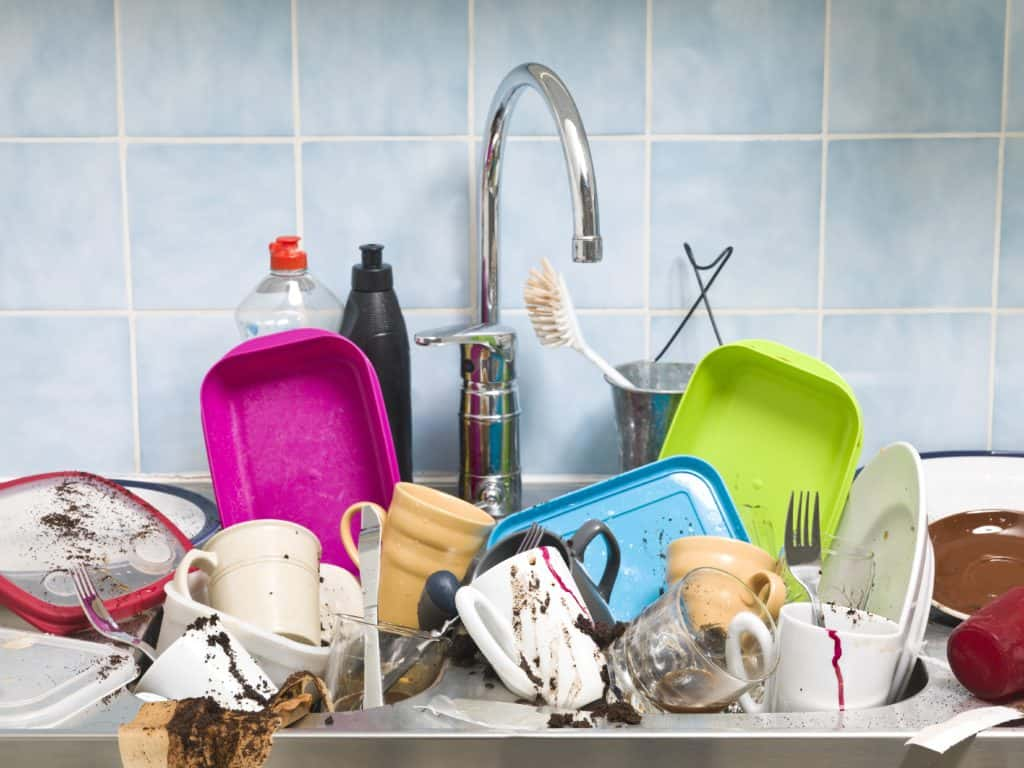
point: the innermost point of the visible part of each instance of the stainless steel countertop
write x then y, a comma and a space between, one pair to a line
404, 734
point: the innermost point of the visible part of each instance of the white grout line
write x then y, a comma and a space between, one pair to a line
826, 77
126, 246
473, 278
997, 237
666, 137
647, 202
297, 121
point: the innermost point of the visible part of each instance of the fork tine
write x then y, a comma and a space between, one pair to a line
789, 539
88, 588
76, 576
816, 524
806, 541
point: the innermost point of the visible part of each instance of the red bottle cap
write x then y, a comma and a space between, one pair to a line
285, 254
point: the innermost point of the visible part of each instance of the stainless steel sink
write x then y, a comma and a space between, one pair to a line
405, 735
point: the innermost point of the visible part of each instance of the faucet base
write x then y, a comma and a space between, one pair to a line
498, 495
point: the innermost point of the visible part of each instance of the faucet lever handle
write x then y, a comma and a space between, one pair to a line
500, 339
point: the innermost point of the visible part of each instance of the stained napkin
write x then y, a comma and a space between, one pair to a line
943, 736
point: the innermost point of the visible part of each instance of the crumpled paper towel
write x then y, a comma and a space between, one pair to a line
198, 733
943, 736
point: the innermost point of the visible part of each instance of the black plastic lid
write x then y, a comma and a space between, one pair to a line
373, 275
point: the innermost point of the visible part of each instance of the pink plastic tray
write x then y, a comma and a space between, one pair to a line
296, 430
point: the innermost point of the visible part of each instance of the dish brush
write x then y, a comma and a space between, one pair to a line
550, 308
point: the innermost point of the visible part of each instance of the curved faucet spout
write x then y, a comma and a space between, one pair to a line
586, 242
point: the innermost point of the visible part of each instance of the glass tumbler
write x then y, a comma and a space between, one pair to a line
847, 575
410, 661
673, 657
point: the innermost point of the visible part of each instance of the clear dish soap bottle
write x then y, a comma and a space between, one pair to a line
289, 297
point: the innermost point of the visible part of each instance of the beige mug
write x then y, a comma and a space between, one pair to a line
264, 572
751, 565
423, 531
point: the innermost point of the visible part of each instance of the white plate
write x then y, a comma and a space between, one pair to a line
967, 481
886, 513
959, 483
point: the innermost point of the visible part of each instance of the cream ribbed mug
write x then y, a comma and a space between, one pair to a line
423, 531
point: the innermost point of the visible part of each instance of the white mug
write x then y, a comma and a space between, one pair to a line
265, 572
847, 664
207, 661
522, 615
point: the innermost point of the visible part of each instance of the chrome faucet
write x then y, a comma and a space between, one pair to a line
489, 471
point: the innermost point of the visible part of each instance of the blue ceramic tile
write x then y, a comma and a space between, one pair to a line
761, 197
174, 354
537, 222
1011, 249
738, 66
436, 380
57, 74
1008, 407
909, 223
201, 217
1015, 95
67, 400
412, 196
799, 331
916, 65
596, 46
60, 212
567, 425
919, 378
408, 58
207, 67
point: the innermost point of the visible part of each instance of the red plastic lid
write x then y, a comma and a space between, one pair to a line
285, 253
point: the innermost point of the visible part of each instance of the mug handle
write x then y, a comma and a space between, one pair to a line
483, 623
351, 548
746, 622
207, 562
585, 534
770, 588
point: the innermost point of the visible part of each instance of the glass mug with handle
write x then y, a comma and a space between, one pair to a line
673, 658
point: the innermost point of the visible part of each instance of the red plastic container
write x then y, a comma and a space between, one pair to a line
986, 652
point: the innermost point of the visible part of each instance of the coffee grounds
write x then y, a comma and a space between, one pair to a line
568, 720
221, 640
210, 736
462, 651
329, 720
489, 673
601, 633
525, 666
202, 622
619, 712
108, 665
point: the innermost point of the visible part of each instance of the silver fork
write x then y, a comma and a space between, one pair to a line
533, 536
803, 548
99, 616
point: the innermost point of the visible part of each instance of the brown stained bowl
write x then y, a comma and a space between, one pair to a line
979, 555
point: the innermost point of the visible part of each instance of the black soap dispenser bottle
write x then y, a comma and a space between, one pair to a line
373, 320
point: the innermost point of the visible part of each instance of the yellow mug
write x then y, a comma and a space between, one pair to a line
423, 531
751, 565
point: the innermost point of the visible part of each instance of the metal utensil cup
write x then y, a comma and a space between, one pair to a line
643, 414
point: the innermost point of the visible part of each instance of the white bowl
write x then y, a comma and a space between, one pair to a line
278, 656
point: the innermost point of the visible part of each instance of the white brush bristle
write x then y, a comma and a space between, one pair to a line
550, 308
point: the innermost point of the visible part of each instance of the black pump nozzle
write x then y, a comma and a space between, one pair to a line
373, 274
373, 255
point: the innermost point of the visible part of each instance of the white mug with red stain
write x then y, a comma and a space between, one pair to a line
523, 614
847, 664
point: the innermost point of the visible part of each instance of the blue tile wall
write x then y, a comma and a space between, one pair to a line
864, 157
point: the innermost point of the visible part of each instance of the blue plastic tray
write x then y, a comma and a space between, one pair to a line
646, 509
194, 514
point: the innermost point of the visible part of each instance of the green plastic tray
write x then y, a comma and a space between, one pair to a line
771, 420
